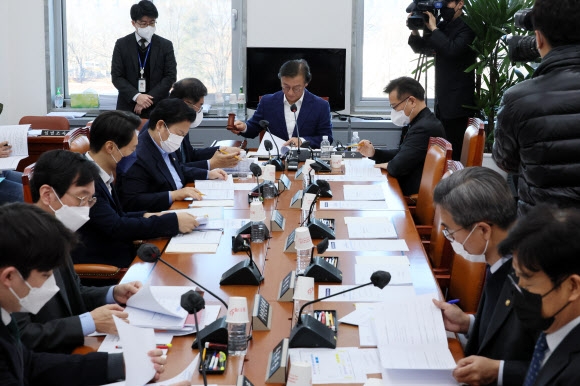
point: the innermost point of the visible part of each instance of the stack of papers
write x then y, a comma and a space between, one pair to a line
370, 228
158, 307
17, 137
367, 245
354, 205
364, 192
200, 240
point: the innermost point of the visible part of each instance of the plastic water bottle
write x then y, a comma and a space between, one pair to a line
237, 339
308, 310
234, 104
269, 190
354, 140
325, 149
58, 99
258, 231
302, 260
242, 105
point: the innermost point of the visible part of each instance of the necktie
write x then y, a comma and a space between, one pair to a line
537, 359
14, 331
142, 44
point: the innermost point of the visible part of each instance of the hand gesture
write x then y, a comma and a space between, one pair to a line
122, 292
5, 149
239, 127
187, 222
366, 148
217, 174
186, 192
103, 318
476, 370
221, 160
454, 319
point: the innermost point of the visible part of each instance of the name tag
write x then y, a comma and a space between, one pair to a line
142, 85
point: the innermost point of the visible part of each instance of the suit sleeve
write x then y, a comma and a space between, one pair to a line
135, 193
505, 146
417, 43
456, 47
323, 125
253, 127
384, 155
161, 89
54, 335
411, 154
127, 90
514, 372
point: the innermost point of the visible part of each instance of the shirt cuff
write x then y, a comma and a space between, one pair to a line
110, 298
87, 323
170, 200
207, 175
135, 97
500, 374
115, 367
471, 323
208, 165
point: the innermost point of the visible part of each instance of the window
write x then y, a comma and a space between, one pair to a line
206, 37
381, 53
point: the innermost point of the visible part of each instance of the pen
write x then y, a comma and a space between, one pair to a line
204, 350
160, 346
226, 153
353, 145
453, 301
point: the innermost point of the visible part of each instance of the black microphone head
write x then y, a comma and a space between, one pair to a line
324, 185
268, 144
316, 167
264, 123
149, 253
293, 108
305, 144
322, 246
380, 279
256, 169
192, 302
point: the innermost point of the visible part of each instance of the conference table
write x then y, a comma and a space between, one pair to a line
275, 264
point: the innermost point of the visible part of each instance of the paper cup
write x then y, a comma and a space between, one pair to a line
300, 374
302, 239
335, 161
237, 310
269, 173
257, 212
304, 288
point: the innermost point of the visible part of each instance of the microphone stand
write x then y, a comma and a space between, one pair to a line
199, 348
243, 273
278, 162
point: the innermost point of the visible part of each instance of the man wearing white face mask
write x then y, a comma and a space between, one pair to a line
477, 210
143, 65
408, 109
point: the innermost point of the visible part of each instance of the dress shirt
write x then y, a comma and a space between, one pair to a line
106, 177
6, 318
147, 41
289, 115
556, 337
176, 178
87, 321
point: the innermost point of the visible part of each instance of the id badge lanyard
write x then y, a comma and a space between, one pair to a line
142, 85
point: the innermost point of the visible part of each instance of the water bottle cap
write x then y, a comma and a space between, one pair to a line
355, 133
325, 137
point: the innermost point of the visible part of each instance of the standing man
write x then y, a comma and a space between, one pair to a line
450, 39
407, 98
537, 132
312, 112
143, 67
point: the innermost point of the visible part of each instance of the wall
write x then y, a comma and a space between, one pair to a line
22, 60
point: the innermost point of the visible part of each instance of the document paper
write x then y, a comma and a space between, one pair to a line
136, 342
341, 365
367, 245
196, 241
370, 228
17, 137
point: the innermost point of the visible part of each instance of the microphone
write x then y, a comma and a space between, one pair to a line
276, 161
309, 332
257, 191
193, 302
214, 332
293, 108
320, 269
268, 146
245, 272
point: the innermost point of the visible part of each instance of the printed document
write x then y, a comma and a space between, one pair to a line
363, 192
17, 137
353, 205
332, 366
370, 228
367, 245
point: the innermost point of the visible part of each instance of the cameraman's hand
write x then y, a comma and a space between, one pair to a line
432, 22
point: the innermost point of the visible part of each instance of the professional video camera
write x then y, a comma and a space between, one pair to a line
417, 19
523, 48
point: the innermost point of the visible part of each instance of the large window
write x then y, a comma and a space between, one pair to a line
206, 37
382, 53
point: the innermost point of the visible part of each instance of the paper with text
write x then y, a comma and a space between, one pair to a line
370, 228
353, 205
217, 194
367, 245
341, 365
275, 141
363, 192
17, 137
136, 342
365, 294
226, 184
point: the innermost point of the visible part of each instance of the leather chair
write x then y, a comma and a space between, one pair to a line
77, 140
466, 283
473, 143
45, 122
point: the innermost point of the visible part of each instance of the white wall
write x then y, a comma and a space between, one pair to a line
271, 23
22, 60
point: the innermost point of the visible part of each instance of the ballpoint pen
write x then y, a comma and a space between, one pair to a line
226, 153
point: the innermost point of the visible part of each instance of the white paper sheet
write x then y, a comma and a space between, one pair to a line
210, 203
272, 138
367, 245
244, 185
400, 273
67, 114
365, 294
341, 365
370, 228
394, 259
202, 185
161, 299
353, 205
136, 342
351, 178
17, 137
211, 213
217, 194
363, 192
196, 241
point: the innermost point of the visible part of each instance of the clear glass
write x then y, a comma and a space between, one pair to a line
355, 139
304, 216
237, 339
308, 310
258, 231
302, 260
269, 190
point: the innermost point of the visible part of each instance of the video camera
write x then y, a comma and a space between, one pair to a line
523, 48
417, 19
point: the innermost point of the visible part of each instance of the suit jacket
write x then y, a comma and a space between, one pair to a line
313, 120
187, 154
406, 162
125, 70
57, 327
146, 181
107, 238
506, 338
562, 367
21, 366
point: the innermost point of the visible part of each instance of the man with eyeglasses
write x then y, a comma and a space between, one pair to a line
545, 246
143, 65
312, 115
408, 109
63, 184
477, 211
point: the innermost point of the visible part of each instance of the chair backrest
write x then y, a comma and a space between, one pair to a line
45, 122
143, 122
26, 177
77, 140
438, 153
473, 143
466, 283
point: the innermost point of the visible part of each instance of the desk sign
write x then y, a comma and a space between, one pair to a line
286, 291
284, 183
261, 314
277, 222
299, 173
243, 381
278, 363
289, 245
296, 201
54, 133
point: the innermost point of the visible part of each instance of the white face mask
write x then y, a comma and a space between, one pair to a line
198, 119
460, 250
146, 33
37, 297
73, 217
172, 143
399, 118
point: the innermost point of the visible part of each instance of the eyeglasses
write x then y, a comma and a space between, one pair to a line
449, 235
84, 201
144, 24
192, 105
398, 104
295, 89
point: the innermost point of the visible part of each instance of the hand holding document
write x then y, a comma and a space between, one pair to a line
15, 138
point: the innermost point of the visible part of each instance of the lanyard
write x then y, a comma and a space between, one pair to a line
142, 65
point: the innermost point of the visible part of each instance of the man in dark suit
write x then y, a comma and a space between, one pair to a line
313, 112
546, 246
450, 39
405, 163
155, 177
143, 66
33, 244
63, 185
108, 237
477, 210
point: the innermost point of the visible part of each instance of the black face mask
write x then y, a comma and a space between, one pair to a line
528, 307
447, 14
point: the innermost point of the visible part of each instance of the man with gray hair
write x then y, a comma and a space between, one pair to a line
477, 210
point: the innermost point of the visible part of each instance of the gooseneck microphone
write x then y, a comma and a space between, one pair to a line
268, 146
293, 108
245, 272
309, 332
193, 302
215, 332
276, 161
257, 172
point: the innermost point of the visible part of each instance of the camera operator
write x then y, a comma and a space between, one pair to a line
450, 39
537, 133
